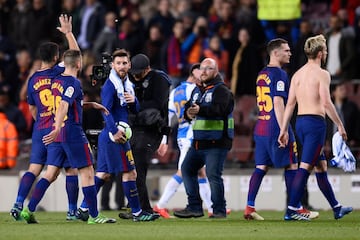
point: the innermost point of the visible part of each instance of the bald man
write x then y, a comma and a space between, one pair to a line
210, 109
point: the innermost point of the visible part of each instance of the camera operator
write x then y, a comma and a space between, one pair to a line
114, 155
150, 125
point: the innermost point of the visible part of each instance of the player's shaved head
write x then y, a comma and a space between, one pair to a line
71, 58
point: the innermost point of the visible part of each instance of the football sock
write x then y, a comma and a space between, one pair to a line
169, 191
98, 184
297, 187
254, 185
289, 178
91, 200
326, 189
205, 193
72, 190
26, 183
132, 195
38, 193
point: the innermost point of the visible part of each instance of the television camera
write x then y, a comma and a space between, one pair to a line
101, 72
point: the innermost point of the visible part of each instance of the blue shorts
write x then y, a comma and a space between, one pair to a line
78, 152
38, 149
311, 132
56, 156
267, 151
113, 157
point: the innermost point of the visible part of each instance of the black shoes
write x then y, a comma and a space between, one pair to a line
216, 215
187, 213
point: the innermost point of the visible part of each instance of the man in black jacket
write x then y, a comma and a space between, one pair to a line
211, 108
149, 126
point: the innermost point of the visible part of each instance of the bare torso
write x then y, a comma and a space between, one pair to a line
307, 84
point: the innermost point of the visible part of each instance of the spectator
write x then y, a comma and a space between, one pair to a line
7, 50
246, 17
4, 85
8, 142
357, 38
172, 58
106, 41
13, 113
226, 26
196, 42
72, 8
348, 112
216, 51
18, 22
246, 65
348, 6
181, 6
41, 25
299, 58
5, 12
341, 51
163, 17
92, 21
152, 46
130, 38
19, 72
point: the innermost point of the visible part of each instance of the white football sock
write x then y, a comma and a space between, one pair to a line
169, 191
205, 193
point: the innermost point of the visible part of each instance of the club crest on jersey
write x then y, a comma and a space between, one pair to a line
195, 97
69, 92
208, 97
280, 86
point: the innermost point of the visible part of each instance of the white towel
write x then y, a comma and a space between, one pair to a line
343, 158
119, 86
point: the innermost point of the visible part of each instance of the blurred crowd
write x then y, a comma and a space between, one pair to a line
174, 34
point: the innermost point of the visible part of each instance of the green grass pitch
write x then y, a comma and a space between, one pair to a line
53, 226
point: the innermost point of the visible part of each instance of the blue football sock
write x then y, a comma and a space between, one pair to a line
177, 178
254, 185
38, 193
202, 180
326, 189
289, 178
26, 183
72, 190
132, 195
297, 187
91, 200
98, 184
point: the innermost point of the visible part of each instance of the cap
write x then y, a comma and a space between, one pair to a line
139, 63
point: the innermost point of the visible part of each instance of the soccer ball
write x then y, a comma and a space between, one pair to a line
125, 128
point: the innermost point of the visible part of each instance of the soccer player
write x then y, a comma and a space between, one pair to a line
41, 107
177, 99
310, 90
68, 95
118, 96
272, 87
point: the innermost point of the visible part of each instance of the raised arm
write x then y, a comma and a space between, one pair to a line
66, 29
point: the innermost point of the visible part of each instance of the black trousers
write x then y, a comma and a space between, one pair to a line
144, 144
